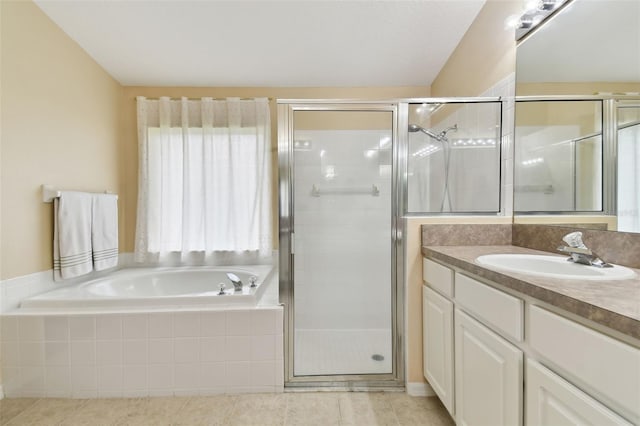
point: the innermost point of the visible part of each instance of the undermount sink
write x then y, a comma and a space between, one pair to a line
553, 267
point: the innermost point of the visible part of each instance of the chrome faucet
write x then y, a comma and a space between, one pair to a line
235, 280
579, 253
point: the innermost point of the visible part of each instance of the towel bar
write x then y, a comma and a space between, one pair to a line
49, 193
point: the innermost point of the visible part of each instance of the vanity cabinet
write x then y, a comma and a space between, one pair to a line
477, 344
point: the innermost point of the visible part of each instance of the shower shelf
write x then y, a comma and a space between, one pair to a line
373, 191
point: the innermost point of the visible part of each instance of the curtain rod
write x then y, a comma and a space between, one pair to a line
215, 99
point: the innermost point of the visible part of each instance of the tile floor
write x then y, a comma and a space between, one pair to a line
324, 408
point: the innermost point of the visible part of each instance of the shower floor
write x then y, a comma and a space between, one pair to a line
337, 352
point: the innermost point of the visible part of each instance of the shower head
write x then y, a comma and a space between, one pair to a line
442, 136
415, 128
448, 129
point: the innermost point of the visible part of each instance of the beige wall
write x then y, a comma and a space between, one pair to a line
60, 126
485, 55
130, 137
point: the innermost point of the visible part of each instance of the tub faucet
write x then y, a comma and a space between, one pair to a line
235, 280
580, 253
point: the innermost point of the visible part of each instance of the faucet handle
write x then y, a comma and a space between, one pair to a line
222, 287
574, 240
252, 280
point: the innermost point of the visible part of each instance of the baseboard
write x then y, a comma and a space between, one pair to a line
420, 389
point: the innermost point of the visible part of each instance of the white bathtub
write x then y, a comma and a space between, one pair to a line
145, 288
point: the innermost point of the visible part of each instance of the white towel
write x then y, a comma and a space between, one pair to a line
72, 235
104, 231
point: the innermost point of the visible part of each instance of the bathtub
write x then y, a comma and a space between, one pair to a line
141, 332
163, 288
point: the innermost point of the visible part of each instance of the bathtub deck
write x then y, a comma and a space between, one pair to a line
334, 408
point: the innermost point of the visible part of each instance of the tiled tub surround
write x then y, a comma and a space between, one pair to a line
197, 352
135, 350
613, 304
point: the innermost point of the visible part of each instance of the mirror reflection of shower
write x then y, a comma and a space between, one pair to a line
454, 157
442, 138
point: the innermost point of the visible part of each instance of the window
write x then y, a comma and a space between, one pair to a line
204, 186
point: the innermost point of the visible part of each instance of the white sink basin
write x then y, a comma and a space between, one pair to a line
553, 267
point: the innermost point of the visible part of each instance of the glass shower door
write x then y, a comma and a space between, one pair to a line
629, 167
342, 243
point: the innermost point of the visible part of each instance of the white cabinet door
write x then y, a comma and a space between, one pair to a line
437, 344
488, 382
552, 401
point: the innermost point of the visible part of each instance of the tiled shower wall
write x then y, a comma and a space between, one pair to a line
336, 235
143, 354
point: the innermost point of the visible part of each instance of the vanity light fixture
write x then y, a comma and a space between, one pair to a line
535, 14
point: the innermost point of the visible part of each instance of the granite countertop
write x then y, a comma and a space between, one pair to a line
614, 304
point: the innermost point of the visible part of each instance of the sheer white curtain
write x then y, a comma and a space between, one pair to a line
204, 177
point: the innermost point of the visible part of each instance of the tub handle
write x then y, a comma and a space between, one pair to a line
252, 280
222, 286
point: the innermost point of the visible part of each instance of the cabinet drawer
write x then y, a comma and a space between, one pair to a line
438, 276
498, 309
602, 366
551, 400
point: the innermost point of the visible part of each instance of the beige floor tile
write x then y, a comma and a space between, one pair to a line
261, 401
259, 409
102, 412
206, 410
313, 409
290, 409
155, 411
47, 411
257, 417
365, 408
11, 407
420, 410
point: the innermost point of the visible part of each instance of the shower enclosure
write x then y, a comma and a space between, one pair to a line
348, 177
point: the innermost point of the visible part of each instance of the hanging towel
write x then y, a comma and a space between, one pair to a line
72, 235
104, 231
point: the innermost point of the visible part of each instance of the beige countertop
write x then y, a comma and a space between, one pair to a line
614, 304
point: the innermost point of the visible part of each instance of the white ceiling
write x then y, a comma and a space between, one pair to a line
267, 43
589, 41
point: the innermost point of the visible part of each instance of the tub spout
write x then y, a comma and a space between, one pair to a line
235, 280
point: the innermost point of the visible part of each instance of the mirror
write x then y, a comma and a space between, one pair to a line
588, 48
